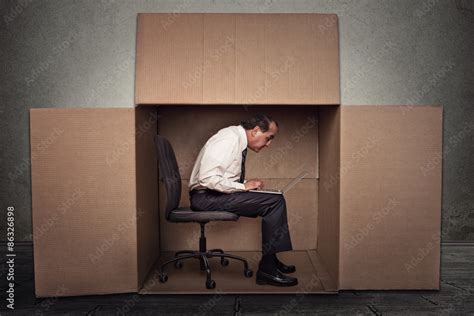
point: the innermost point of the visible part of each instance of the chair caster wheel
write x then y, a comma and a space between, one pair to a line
163, 278
178, 264
248, 273
210, 284
224, 262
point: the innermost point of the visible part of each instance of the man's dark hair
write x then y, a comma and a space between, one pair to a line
261, 120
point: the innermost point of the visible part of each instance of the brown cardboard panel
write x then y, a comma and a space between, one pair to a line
219, 58
302, 48
237, 59
302, 59
326, 68
278, 58
329, 284
169, 58
390, 197
250, 59
230, 279
293, 150
245, 234
147, 190
329, 189
302, 209
83, 201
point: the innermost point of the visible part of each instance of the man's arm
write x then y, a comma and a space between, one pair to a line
217, 158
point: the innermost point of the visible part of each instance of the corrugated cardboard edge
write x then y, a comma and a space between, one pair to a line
329, 190
148, 247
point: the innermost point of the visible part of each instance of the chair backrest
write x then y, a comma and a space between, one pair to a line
169, 173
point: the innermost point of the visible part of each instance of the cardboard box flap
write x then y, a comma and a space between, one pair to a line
83, 201
169, 58
227, 58
390, 182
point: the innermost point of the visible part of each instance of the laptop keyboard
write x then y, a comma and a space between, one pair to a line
269, 190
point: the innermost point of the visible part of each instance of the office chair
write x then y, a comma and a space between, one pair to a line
169, 174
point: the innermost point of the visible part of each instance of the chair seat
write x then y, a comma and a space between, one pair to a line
185, 214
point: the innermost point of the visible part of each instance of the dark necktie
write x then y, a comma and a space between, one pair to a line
242, 173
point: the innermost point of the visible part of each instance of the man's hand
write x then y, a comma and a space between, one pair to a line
253, 184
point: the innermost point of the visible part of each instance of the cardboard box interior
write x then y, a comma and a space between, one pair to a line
295, 149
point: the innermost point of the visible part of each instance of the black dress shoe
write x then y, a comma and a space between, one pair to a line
283, 268
277, 279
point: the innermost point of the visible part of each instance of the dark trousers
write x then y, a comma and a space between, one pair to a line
271, 207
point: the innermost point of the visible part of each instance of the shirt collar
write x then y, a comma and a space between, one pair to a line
243, 137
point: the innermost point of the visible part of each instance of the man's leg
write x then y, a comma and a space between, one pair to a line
275, 234
271, 207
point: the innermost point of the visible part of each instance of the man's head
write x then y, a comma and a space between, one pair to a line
260, 130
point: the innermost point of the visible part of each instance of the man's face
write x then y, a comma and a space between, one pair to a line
258, 139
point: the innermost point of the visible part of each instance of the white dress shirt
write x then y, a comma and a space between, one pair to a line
219, 162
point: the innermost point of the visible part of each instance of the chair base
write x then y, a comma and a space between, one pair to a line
204, 262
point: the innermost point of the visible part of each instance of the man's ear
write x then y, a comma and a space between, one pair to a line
255, 130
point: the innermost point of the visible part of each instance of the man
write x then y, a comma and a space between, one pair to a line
218, 183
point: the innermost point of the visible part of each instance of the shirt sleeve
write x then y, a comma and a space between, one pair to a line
217, 158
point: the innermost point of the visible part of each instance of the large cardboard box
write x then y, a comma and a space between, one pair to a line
369, 219
366, 217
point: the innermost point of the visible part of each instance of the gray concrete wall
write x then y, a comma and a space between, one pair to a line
81, 54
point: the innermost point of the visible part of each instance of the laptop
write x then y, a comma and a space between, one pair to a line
286, 188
